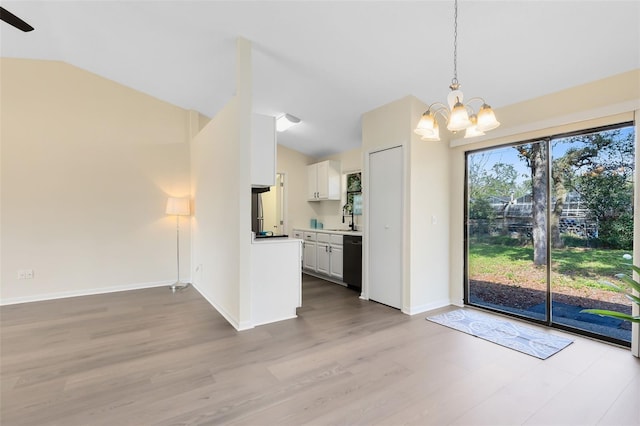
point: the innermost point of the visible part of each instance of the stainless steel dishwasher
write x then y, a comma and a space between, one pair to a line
352, 261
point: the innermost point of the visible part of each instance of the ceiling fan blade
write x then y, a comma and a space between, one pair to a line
12, 19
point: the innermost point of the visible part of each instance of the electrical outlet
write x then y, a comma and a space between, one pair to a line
25, 274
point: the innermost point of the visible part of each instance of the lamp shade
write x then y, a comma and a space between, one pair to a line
434, 136
472, 131
487, 119
178, 206
427, 124
459, 118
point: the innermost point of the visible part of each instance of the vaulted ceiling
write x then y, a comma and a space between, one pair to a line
328, 62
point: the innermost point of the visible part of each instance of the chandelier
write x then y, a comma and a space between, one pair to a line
459, 115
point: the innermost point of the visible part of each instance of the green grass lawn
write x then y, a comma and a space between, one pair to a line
573, 267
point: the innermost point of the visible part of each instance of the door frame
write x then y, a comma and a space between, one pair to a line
548, 321
366, 248
282, 192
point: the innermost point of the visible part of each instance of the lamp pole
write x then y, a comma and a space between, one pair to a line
177, 285
178, 207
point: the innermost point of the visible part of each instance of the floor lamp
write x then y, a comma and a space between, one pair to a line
178, 207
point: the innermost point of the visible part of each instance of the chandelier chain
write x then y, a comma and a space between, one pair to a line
459, 116
454, 81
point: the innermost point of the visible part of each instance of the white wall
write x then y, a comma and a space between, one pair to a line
87, 166
429, 212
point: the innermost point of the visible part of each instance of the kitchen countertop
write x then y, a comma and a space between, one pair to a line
331, 231
279, 240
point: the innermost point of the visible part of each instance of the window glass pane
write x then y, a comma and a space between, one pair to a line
592, 228
506, 228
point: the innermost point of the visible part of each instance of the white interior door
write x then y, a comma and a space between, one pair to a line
273, 207
280, 203
385, 226
268, 210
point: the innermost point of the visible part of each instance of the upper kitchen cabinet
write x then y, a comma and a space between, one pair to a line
324, 181
263, 150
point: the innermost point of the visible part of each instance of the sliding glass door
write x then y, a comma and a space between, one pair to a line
547, 221
592, 228
506, 259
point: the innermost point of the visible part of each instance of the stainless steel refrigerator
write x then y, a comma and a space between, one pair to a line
257, 212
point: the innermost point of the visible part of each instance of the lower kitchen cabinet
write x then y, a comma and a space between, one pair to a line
309, 251
335, 269
322, 254
323, 258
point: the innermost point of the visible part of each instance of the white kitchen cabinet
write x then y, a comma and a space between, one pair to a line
323, 181
323, 258
263, 150
299, 235
312, 182
336, 253
309, 255
309, 251
323, 254
329, 254
335, 269
276, 280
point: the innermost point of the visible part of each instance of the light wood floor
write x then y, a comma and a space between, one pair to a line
151, 357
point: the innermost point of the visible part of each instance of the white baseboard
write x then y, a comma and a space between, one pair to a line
85, 292
275, 320
414, 310
246, 325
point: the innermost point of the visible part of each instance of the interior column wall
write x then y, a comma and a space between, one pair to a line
221, 184
215, 220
